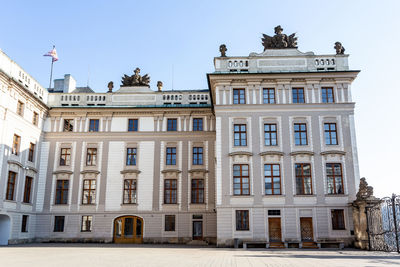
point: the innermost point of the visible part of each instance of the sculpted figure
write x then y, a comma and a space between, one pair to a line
136, 79
339, 48
223, 49
110, 86
364, 190
279, 40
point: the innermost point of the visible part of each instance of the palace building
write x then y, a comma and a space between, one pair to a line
267, 155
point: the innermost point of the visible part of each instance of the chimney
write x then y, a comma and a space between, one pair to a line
69, 83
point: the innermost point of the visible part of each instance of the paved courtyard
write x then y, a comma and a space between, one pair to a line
159, 255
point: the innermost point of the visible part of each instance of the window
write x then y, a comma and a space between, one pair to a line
132, 125
89, 191
93, 125
91, 157
170, 191
197, 124
59, 223
169, 223
129, 191
65, 157
35, 118
197, 156
86, 223
303, 179
62, 192
171, 156
31, 152
239, 96
269, 96
270, 137
241, 183
242, 220
24, 224
327, 95
28, 189
197, 191
20, 108
172, 124
68, 125
272, 177
334, 178
12, 177
240, 136
330, 134
16, 144
131, 156
300, 134
337, 220
298, 95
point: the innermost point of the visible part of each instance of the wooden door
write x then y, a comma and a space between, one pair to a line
197, 230
274, 229
306, 229
128, 230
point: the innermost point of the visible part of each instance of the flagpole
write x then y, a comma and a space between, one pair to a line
51, 72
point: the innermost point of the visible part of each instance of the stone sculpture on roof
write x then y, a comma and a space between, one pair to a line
365, 191
136, 79
339, 48
223, 49
279, 40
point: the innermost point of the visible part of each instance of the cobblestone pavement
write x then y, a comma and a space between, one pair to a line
75, 255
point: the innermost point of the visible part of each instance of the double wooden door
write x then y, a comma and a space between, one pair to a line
306, 229
128, 230
274, 229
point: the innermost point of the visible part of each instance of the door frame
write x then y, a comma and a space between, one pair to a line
125, 216
202, 230
312, 228
269, 225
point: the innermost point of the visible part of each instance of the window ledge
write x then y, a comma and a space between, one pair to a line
171, 170
129, 204
242, 196
305, 195
239, 153
302, 152
63, 171
333, 152
130, 171
271, 153
197, 170
90, 171
15, 162
336, 195
272, 196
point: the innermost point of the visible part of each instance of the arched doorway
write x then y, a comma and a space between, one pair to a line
4, 229
128, 230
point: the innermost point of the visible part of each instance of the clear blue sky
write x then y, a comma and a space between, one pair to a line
110, 38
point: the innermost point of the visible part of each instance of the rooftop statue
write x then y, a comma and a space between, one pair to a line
279, 40
365, 191
223, 49
110, 86
135, 79
339, 48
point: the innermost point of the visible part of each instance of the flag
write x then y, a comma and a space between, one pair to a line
53, 54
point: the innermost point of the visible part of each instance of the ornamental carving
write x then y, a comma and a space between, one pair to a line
279, 40
339, 48
136, 79
365, 191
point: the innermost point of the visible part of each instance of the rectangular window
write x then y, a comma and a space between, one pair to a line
24, 223
298, 95
130, 191
242, 220
12, 179
197, 124
170, 192
330, 134
62, 191
89, 191
65, 157
169, 225
334, 178
270, 135
327, 95
28, 189
197, 156
20, 108
274, 212
272, 177
68, 125
132, 125
35, 119
172, 124
91, 157
303, 179
86, 223
94, 125
197, 191
338, 220
239, 96
171, 156
240, 135
16, 144
31, 152
131, 156
59, 223
300, 134
241, 181
269, 96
